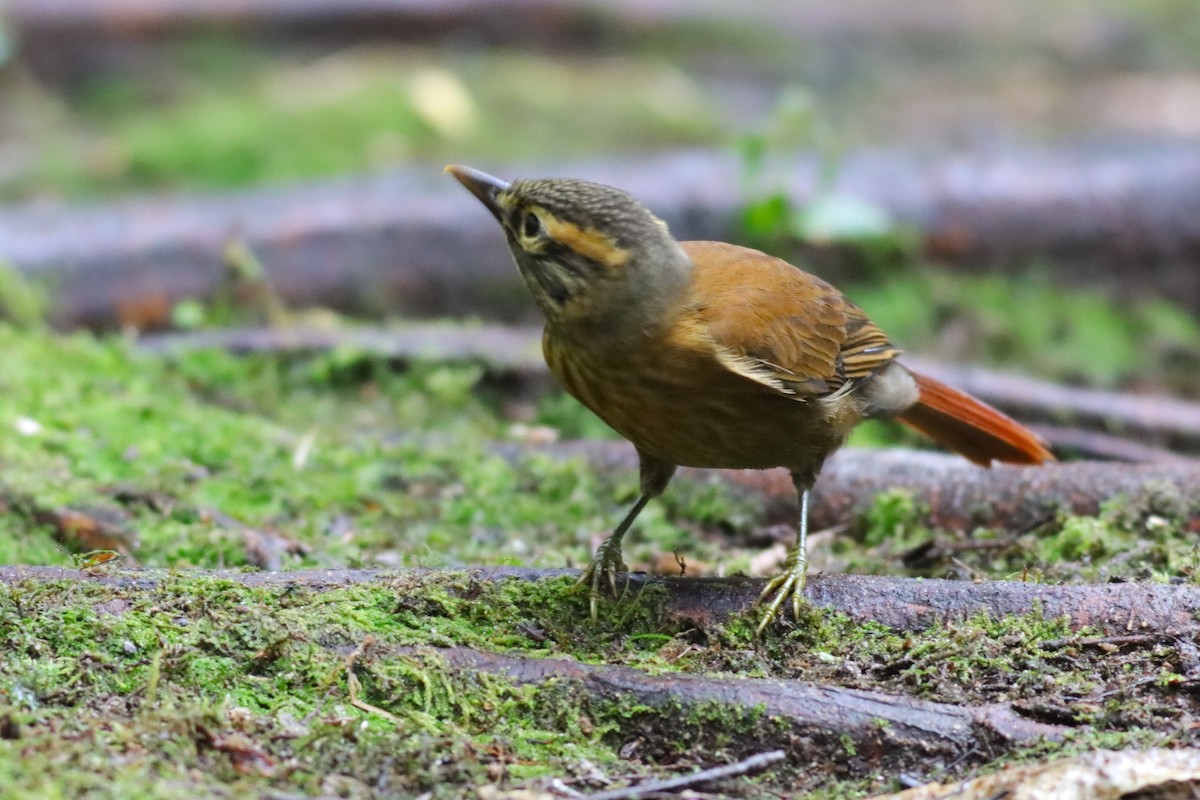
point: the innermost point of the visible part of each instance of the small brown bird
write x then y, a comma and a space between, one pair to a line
705, 354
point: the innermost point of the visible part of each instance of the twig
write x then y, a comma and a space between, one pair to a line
746, 765
1080, 443
353, 686
1125, 688
1136, 639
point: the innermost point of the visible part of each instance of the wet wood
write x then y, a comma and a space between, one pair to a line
903, 604
64, 40
554, 23
410, 242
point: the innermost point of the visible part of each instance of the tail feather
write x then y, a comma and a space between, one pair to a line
977, 431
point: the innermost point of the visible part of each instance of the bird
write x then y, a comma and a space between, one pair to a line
713, 355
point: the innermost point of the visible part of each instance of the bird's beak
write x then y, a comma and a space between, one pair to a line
480, 184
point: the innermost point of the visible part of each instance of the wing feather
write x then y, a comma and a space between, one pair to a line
780, 326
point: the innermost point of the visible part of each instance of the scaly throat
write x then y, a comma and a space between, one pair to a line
618, 307
548, 288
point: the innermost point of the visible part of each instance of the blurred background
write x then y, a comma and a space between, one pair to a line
114, 96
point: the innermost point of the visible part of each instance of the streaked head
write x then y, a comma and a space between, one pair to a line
589, 253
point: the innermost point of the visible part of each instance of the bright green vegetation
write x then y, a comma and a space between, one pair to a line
354, 461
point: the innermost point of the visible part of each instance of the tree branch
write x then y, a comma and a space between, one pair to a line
752, 763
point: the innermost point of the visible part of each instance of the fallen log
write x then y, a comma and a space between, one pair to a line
903, 604
501, 348
813, 721
408, 242
954, 494
961, 496
1081, 443
1164, 421
133, 19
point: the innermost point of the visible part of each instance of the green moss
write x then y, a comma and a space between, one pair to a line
22, 304
178, 669
168, 443
1078, 538
895, 515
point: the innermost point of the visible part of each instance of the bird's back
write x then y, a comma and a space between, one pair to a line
741, 378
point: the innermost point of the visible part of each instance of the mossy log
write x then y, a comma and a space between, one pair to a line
845, 730
903, 604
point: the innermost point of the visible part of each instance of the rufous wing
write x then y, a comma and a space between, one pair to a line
778, 325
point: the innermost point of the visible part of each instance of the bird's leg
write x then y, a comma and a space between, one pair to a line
655, 475
790, 583
608, 561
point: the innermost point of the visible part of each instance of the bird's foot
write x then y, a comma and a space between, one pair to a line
606, 564
790, 583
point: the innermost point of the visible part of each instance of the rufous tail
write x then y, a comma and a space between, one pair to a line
977, 431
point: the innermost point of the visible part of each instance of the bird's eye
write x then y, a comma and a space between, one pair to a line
531, 225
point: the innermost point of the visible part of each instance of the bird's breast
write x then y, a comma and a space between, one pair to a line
671, 397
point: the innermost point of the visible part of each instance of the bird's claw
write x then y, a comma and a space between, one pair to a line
606, 563
790, 583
